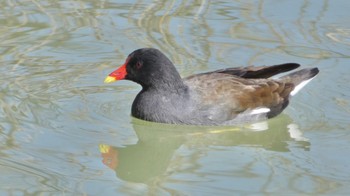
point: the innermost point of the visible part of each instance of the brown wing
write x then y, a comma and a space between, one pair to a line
257, 72
233, 95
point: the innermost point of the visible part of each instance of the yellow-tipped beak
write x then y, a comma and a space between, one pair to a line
118, 74
110, 79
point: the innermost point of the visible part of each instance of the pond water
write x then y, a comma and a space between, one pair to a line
64, 132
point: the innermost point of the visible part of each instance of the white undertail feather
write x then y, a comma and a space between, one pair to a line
300, 86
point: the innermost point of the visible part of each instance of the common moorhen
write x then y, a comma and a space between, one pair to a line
223, 97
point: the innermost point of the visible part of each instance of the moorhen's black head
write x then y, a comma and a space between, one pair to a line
148, 67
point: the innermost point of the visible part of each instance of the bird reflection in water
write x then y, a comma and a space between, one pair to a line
154, 152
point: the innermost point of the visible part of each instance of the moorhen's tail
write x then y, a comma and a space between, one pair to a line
260, 71
299, 78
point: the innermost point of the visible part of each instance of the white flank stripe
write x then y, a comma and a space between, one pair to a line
300, 86
260, 111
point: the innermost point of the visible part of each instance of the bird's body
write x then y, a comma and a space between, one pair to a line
222, 97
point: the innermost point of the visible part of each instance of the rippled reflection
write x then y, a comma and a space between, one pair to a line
160, 150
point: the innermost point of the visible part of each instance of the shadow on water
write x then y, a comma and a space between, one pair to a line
157, 143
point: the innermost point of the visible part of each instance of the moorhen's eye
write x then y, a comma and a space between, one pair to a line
139, 64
